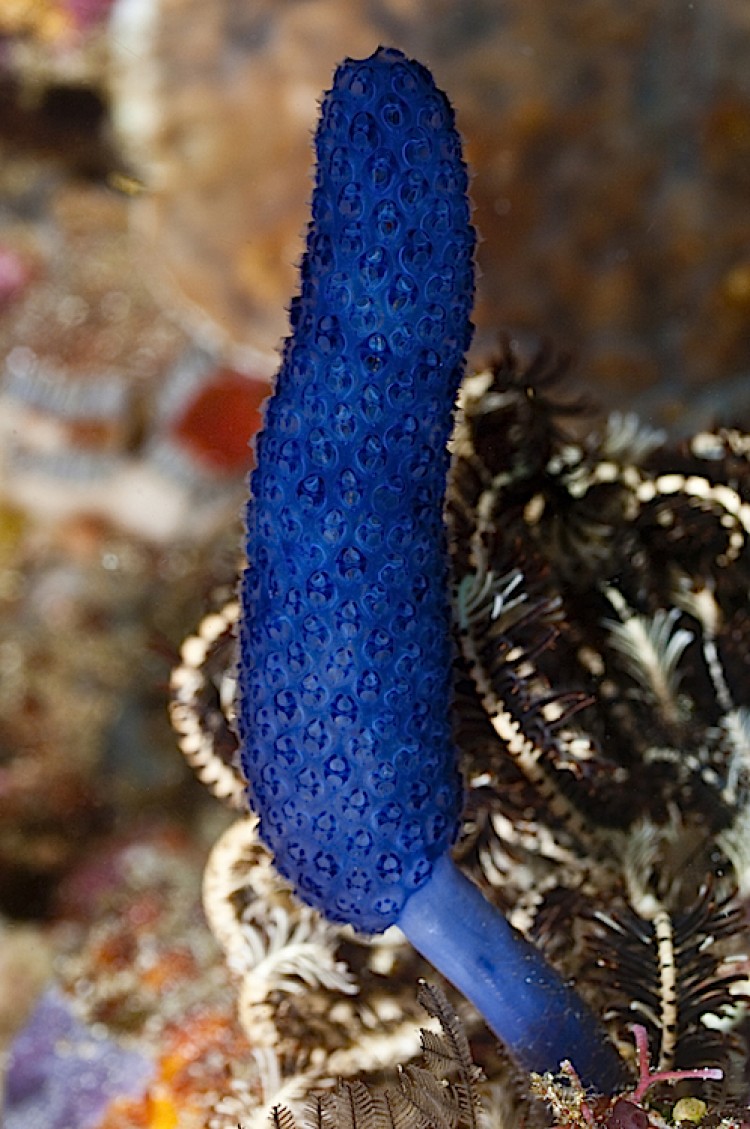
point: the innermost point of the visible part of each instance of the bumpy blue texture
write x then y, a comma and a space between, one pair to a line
345, 667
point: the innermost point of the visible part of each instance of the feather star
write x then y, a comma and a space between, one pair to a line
345, 669
600, 709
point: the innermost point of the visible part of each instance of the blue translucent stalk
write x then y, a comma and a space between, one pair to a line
526, 1003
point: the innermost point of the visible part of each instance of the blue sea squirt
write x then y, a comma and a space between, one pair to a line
345, 669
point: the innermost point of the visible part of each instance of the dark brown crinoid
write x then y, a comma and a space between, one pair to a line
603, 639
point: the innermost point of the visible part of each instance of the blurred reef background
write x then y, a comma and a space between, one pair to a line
154, 177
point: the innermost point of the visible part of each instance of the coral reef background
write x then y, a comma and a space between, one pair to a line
154, 175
